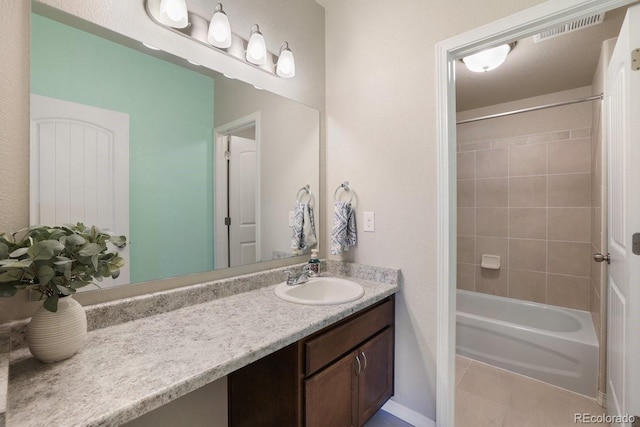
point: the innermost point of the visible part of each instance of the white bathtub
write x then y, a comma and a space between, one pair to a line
552, 344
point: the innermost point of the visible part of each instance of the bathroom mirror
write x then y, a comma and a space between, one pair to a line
200, 171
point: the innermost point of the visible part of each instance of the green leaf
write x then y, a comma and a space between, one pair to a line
45, 249
94, 262
45, 274
12, 263
18, 253
119, 241
4, 250
61, 260
10, 276
115, 264
7, 290
51, 303
90, 249
64, 290
76, 239
115, 274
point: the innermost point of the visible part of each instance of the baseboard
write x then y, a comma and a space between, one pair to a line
602, 399
407, 415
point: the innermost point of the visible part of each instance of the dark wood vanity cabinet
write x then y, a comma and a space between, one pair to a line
338, 377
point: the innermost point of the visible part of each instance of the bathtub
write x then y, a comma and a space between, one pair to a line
552, 344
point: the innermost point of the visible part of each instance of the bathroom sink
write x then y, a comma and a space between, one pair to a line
321, 291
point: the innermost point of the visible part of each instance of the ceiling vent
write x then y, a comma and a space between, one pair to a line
589, 21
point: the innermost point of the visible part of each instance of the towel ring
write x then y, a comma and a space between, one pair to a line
345, 187
305, 189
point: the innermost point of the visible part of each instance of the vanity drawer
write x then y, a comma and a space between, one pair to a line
329, 346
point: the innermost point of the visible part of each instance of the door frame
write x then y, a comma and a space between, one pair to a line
220, 182
517, 26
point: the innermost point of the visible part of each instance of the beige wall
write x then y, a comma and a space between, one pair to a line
300, 22
598, 212
527, 199
381, 138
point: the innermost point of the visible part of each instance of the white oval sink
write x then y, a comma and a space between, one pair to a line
321, 291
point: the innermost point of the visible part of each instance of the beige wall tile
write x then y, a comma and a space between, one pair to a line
492, 192
492, 282
569, 258
466, 221
466, 165
528, 223
528, 192
466, 248
492, 246
580, 133
475, 146
571, 156
570, 190
568, 291
492, 163
502, 143
596, 229
465, 276
492, 222
546, 137
466, 193
528, 285
528, 160
527, 254
570, 224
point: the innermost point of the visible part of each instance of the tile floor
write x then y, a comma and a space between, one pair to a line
488, 396
385, 419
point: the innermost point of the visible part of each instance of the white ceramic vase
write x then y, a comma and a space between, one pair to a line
57, 336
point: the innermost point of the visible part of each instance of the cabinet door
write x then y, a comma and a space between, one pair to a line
331, 395
376, 379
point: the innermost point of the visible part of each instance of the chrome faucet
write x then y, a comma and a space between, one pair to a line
294, 278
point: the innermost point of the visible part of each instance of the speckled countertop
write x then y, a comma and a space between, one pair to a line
4, 369
129, 369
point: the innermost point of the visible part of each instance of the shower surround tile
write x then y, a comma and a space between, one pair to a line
533, 208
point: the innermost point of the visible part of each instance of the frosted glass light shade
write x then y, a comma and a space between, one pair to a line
286, 66
257, 48
219, 29
487, 60
174, 13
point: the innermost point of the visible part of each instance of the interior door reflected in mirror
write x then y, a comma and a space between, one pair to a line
200, 174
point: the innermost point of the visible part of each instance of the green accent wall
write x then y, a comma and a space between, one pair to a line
171, 139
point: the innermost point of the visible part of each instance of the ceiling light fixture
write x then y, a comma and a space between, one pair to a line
286, 66
174, 13
489, 59
257, 48
219, 34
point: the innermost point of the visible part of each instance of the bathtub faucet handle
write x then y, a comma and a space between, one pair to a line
598, 257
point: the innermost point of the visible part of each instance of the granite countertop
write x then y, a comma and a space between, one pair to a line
129, 369
4, 369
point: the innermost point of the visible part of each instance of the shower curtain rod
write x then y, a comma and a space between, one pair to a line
526, 110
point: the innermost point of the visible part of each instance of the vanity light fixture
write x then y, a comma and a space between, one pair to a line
215, 33
219, 34
257, 48
286, 66
489, 59
174, 13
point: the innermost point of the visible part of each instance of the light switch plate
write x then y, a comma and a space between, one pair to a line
292, 217
369, 221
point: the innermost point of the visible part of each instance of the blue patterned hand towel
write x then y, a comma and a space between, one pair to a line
304, 228
343, 234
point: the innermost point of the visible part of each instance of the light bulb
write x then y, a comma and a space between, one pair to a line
257, 48
174, 13
219, 29
286, 66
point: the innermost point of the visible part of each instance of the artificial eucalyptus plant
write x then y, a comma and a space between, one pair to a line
56, 261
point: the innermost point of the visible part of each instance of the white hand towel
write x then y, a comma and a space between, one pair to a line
343, 234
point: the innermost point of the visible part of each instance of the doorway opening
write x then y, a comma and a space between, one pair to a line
237, 192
